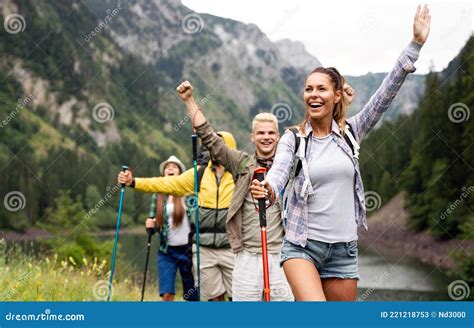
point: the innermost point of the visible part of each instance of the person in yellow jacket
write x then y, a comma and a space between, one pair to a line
215, 194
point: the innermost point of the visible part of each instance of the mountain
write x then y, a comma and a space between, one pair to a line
87, 86
90, 85
296, 54
404, 103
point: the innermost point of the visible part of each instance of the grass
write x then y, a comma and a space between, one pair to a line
24, 277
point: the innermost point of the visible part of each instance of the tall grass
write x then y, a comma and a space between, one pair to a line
25, 277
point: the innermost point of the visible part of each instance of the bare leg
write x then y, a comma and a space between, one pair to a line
304, 280
218, 298
337, 289
167, 297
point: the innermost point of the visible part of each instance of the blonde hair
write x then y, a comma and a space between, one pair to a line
340, 109
264, 117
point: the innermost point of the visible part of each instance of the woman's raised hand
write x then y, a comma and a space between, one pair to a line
349, 92
421, 24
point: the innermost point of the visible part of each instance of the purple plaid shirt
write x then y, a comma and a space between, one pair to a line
296, 222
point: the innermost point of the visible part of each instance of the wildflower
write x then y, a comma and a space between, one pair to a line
72, 261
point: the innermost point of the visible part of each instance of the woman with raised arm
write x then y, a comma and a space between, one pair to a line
325, 195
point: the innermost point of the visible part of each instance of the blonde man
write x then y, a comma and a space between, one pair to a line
243, 229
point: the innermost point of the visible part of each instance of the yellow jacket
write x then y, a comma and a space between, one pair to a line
213, 200
210, 196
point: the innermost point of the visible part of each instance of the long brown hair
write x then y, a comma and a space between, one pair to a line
340, 108
178, 210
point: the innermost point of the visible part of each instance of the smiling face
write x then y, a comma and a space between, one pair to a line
320, 96
265, 137
172, 169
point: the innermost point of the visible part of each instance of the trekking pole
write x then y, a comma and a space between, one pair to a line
150, 232
117, 228
259, 175
196, 212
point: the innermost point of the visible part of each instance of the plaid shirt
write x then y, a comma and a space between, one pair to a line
296, 222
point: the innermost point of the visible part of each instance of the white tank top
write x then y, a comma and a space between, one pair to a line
177, 236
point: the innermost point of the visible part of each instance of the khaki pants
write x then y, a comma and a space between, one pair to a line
247, 283
217, 265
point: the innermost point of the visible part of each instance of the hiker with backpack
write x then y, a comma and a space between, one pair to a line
317, 167
169, 216
243, 228
215, 192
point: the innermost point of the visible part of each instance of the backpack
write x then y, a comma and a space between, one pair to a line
348, 136
298, 163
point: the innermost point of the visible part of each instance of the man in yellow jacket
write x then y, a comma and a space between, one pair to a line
215, 194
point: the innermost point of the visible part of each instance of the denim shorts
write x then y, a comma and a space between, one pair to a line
333, 260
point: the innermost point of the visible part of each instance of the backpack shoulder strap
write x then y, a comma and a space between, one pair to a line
297, 139
351, 141
200, 174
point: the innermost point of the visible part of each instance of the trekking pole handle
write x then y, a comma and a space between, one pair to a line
194, 139
124, 169
260, 176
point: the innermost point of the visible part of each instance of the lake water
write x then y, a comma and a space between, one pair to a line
381, 278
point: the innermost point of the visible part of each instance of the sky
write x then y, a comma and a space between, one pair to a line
354, 36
